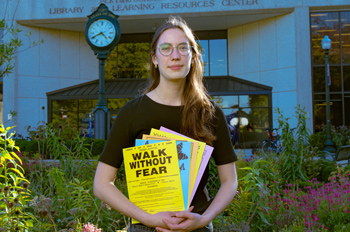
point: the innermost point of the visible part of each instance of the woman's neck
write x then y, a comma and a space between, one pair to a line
168, 93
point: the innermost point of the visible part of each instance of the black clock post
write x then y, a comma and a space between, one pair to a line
102, 33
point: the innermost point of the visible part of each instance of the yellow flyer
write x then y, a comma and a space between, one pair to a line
153, 177
201, 147
194, 148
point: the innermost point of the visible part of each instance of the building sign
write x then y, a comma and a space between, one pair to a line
80, 8
157, 5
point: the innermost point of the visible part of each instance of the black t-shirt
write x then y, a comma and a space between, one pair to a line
140, 115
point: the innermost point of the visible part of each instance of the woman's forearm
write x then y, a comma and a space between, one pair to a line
105, 190
112, 196
225, 194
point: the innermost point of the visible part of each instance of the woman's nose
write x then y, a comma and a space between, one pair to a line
175, 54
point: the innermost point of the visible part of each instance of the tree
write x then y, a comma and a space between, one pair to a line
9, 44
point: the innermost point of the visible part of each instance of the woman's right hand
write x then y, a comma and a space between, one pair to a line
157, 220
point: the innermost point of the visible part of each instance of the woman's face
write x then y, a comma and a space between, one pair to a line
174, 66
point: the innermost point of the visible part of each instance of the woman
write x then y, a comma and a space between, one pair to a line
175, 99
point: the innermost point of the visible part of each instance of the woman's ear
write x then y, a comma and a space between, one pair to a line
154, 59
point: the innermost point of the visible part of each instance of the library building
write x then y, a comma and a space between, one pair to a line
258, 55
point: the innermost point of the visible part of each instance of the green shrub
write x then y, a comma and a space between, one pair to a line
347, 168
327, 168
32, 146
340, 136
319, 169
21, 143
318, 140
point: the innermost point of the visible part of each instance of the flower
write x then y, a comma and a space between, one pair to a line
90, 228
6, 189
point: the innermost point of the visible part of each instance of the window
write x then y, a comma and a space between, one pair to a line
336, 25
249, 117
128, 60
78, 113
214, 56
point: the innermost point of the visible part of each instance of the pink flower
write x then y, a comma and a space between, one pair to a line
90, 228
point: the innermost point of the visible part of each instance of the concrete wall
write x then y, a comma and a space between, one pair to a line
62, 60
266, 52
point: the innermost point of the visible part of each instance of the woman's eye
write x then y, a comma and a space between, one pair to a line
183, 47
165, 47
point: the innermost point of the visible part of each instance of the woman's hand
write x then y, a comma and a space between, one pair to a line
228, 189
189, 222
158, 219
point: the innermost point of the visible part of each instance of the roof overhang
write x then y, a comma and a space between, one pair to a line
130, 88
148, 23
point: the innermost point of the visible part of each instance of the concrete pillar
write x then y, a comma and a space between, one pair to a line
303, 62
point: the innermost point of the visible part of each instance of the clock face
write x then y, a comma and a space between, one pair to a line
101, 32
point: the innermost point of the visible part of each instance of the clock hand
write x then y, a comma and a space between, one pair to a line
97, 35
104, 35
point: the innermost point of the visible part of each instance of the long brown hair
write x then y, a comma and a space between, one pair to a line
198, 112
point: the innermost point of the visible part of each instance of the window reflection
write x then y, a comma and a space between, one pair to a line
248, 116
78, 114
218, 57
204, 48
347, 109
128, 60
215, 54
258, 101
244, 101
345, 36
320, 114
319, 79
86, 124
323, 24
346, 73
64, 105
226, 101
114, 105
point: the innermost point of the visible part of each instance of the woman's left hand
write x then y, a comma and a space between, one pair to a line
190, 222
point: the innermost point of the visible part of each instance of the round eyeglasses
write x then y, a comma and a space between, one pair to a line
167, 49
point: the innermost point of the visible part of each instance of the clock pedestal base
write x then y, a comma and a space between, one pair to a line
102, 121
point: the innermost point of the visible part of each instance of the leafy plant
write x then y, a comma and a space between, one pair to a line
13, 187
294, 144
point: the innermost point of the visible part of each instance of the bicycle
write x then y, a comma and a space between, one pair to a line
272, 143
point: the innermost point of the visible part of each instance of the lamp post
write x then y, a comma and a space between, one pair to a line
329, 146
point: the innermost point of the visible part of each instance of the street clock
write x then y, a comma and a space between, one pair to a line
102, 31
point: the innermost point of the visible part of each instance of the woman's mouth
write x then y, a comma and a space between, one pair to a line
175, 67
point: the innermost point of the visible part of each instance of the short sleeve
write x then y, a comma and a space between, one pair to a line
121, 136
223, 152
